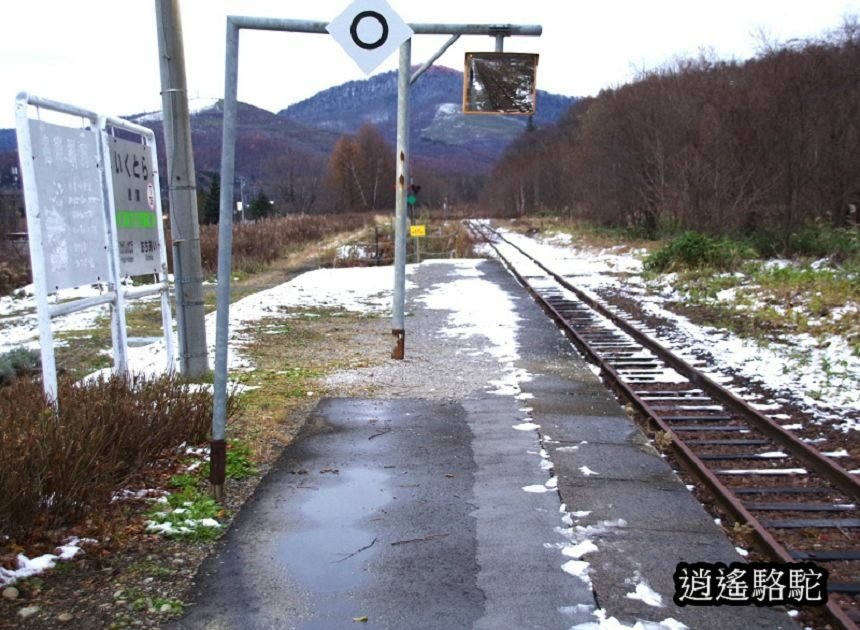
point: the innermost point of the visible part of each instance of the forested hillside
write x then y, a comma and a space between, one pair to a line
770, 145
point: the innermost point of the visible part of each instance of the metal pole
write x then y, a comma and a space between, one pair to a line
426, 65
119, 331
403, 76
35, 212
182, 190
218, 456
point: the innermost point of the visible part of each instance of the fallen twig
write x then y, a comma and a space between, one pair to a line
357, 551
422, 539
378, 433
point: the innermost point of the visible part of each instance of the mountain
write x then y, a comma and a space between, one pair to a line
441, 135
260, 137
443, 139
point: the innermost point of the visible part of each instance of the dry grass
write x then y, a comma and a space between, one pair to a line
259, 244
292, 355
58, 466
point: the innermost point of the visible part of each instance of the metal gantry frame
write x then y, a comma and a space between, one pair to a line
228, 167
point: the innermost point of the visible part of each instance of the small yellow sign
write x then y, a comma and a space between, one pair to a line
417, 230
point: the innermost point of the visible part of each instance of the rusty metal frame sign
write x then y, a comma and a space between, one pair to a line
500, 83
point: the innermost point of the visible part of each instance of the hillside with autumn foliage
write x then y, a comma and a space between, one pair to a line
767, 147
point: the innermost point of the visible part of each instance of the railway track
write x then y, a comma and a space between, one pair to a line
793, 503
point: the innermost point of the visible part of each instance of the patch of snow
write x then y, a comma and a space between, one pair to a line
762, 471
536, 489
645, 593
578, 550
28, 567
577, 568
526, 426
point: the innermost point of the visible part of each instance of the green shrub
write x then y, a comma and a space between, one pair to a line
188, 515
693, 250
18, 362
818, 241
822, 241
58, 466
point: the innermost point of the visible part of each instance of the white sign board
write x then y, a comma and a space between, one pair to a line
369, 31
137, 219
68, 182
73, 178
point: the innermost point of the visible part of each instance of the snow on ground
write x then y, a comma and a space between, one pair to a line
795, 369
19, 325
33, 566
356, 289
477, 307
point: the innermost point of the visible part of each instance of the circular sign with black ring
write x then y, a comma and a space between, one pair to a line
369, 15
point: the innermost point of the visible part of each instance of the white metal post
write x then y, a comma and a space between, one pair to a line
402, 187
34, 240
119, 333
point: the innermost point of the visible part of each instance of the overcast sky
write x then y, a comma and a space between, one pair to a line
102, 54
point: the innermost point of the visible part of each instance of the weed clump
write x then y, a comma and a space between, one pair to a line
14, 267
258, 244
693, 250
189, 513
58, 466
17, 362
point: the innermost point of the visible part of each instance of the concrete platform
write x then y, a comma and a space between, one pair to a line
443, 509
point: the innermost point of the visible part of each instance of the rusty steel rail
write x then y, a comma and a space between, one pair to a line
826, 468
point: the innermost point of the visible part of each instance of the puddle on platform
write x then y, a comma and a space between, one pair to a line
336, 515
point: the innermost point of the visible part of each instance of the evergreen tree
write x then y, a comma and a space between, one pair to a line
260, 208
212, 206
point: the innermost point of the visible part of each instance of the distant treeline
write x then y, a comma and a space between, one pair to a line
771, 144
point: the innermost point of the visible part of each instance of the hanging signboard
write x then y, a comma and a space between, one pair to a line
499, 83
68, 181
369, 31
134, 194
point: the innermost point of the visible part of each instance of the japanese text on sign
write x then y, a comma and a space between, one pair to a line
134, 198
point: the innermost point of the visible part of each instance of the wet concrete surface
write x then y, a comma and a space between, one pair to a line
368, 512
385, 513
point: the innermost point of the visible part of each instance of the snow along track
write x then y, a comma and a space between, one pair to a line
790, 496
